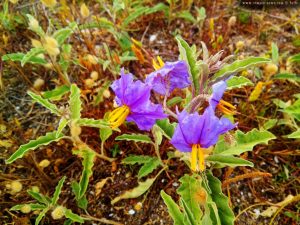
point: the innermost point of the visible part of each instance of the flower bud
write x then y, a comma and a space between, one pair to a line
36, 43
75, 130
231, 21
92, 59
84, 11
38, 84
44, 163
271, 69
25, 209
106, 93
240, 45
58, 213
35, 189
51, 46
49, 3
94, 75
33, 24
89, 82
15, 186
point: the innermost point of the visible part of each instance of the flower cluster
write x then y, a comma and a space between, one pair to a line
194, 133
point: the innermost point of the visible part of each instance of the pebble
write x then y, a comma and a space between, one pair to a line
152, 37
276, 159
131, 212
175, 184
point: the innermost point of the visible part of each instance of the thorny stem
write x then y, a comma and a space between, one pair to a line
196, 102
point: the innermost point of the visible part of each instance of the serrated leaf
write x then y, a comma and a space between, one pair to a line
173, 209
134, 137
75, 102
58, 190
269, 124
44, 102
294, 110
105, 133
34, 144
74, 217
32, 53
62, 34
295, 134
87, 122
189, 55
275, 53
62, 124
148, 167
166, 127
189, 216
227, 160
245, 142
39, 197
101, 22
188, 190
240, 65
288, 76
41, 215
238, 82
224, 211
135, 192
139, 159
33, 206
187, 16
295, 58
19, 56
56, 93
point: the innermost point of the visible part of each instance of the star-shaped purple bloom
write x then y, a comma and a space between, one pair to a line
136, 96
194, 129
172, 75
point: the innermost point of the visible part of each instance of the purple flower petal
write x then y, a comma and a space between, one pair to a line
218, 91
172, 75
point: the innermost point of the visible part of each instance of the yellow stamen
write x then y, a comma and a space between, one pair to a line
226, 107
118, 116
157, 64
197, 158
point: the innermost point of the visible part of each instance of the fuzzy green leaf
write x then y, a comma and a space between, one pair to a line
240, 65
134, 137
41, 215
174, 101
295, 58
275, 53
44, 102
19, 56
74, 217
33, 206
32, 53
288, 76
173, 209
56, 93
244, 142
166, 127
62, 34
87, 122
58, 190
34, 144
62, 124
189, 55
39, 197
295, 135
224, 211
135, 192
139, 159
188, 214
148, 167
188, 189
238, 82
105, 133
227, 160
294, 109
75, 102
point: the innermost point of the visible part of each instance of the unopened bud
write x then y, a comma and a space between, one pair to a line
33, 24
271, 69
49, 3
232, 21
75, 130
38, 84
94, 75
84, 10
36, 43
25, 209
106, 93
89, 82
44, 163
15, 186
92, 59
58, 213
35, 189
51, 46
240, 45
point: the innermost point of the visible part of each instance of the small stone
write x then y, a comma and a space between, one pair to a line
131, 212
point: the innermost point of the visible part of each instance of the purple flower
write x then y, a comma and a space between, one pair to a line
133, 99
195, 132
172, 75
216, 100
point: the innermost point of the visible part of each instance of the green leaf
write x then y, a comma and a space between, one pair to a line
189, 55
38, 29
44, 102
134, 137
275, 54
68, 222
173, 209
62, 124
58, 190
269, 124
32, 53
86, 122
188, 190
62, 34
33, 206
166, 127
135, 192
174, 101
288, 76
41, 215
227, 160
19, 56
189, 217
74, 217
75, 102
56, 93
39, 197
148, 167
224, 211
238, 82
101, 22
186, 15
293, 109
240, 65
244, 142
65, 57
99, 97
34, 144
105, 133
295, 58
88, 156
295, 134
139, 159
